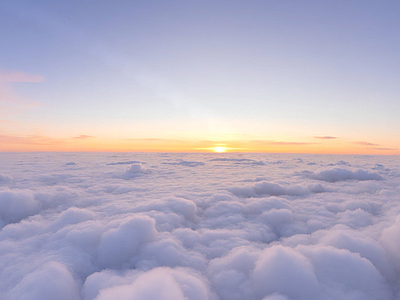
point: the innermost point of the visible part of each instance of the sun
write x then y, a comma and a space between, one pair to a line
219, 149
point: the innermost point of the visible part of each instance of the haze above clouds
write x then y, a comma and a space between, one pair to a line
196, 226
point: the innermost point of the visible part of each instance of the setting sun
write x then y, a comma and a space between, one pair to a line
219, 149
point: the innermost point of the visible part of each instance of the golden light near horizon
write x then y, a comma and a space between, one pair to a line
219, 149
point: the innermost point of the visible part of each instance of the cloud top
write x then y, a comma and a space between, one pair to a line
195, 227
339, 174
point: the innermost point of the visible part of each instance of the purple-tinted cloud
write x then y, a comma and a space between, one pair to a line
17, 76
327, 137
364, 143
82, 137
383, 149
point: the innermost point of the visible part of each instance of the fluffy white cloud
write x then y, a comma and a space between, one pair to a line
50, 281
338, 174
196, 227
4, 179
15, 206
273, 189
283, 270
185, 163
135, 170
119, 245
161, 283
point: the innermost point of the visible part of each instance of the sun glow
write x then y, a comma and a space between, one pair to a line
219, 149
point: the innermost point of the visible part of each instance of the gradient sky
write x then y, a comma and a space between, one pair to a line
273, 76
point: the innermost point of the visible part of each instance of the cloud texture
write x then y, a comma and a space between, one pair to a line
199, 227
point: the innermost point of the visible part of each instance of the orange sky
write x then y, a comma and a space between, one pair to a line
322, 145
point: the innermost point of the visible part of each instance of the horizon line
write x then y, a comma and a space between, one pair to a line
199, 152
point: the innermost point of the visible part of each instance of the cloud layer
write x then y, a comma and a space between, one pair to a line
199, 227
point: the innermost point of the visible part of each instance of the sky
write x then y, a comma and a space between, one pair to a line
190, 76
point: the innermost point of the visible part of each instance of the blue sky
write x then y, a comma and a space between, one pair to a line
219, 70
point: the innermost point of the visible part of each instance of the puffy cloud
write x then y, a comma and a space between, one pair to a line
367, 247
119, 245
73, 215
343, 274
273, 189
105, 279
390, 240
340, 163
4, 179
238, 161
229, 229
53, 179
134, 171
283, 270
276, 296
159, 283
170, 212
15, 206
230, 274
129, 162
338, 174
49, 282
185, 163
226, 159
